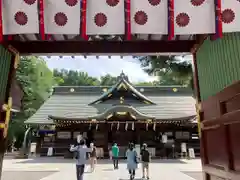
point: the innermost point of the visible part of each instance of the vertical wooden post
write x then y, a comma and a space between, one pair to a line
203, 148
6, 109
105, 148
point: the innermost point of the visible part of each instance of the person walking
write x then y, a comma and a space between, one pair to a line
132, 160
93, 157
81, 157
145, 158
110, 153
115, 154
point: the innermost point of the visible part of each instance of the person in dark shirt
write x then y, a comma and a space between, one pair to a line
145, 157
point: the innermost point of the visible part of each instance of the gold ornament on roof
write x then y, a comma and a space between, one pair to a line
175, 89
121, 100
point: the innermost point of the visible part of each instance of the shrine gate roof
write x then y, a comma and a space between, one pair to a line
69, 26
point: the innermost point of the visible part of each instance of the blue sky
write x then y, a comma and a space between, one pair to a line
98, 67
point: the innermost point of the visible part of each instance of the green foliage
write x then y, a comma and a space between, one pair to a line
146, 84
64, 77
36, 80
108, 80
171, 71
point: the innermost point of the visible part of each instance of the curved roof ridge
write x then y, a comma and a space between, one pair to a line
129, 85
122, 108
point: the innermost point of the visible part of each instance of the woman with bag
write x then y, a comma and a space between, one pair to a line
93, 157
132, 160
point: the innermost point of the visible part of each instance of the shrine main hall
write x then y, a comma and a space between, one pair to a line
122, 113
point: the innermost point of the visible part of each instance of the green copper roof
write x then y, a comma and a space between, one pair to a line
122, 81
171, 103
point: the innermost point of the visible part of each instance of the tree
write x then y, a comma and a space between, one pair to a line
171, 71
64, 77
36, 80
146, 83
108, 80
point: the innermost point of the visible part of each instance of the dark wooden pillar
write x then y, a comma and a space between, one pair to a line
137, 133
105, 148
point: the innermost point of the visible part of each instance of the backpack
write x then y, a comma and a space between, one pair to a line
145, 155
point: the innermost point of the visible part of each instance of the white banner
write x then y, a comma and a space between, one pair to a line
20, 16
62, 16
149, 17
105, 17
194, 17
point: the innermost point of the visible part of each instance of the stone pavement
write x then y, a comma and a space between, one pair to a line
62, 169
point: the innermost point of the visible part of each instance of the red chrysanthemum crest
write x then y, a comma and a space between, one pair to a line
60, 19
154, 2
182, 19
228, 16
141, 18
197, 2
30, 2
21, 18
100, 19
71, 2
112, 3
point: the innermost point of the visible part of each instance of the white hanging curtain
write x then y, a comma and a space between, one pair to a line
194, 17
126, 126
62, 16
145, 15
154, 126
118, 124
20, 17
133, 126
105, 17
231, 15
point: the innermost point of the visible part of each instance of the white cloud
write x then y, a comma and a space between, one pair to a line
98, 67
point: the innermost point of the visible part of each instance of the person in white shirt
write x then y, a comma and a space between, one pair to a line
81, 157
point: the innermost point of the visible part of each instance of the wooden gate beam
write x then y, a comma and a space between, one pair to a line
104, 47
